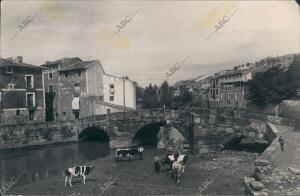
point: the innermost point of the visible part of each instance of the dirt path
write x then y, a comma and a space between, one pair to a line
213, 175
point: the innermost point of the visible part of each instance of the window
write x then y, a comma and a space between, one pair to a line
51, 88
50, 76
111, 86
9, 70
222, 96
79, 73
76, 114
30, 99
100, 98
11, 86
31, 115
29, 81
111, 98
66, 75
17, 112
108, 111
229, 97
236, 97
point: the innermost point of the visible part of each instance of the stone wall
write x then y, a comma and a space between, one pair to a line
13, 136
272, 152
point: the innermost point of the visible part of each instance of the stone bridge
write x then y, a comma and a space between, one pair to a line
200, 127
118, 127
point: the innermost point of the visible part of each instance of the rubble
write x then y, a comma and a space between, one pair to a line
253, 187
256, 185
294, 170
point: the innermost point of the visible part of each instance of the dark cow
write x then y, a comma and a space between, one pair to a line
168, 159
77, 171
129, 152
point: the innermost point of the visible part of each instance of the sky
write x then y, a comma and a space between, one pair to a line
154, 37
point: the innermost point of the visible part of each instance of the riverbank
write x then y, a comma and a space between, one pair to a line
213, 174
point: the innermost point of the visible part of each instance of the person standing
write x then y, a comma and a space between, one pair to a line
281, 142
157, 164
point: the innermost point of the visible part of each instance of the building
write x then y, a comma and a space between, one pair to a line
213, 94
77, 89
21, 92
232, 88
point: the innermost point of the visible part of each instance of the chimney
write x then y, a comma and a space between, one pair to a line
18, 59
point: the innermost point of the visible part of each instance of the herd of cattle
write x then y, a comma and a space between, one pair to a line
175, 164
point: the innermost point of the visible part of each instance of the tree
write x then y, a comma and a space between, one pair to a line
165, 95
150, 97
274, 85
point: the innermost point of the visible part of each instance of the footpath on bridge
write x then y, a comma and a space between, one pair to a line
291, 155
285, 177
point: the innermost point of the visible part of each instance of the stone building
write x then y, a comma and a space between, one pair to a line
77, 89
21, 92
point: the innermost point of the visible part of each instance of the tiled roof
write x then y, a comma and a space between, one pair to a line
77, 65
63, 61
10, 63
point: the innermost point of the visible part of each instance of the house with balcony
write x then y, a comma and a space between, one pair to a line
21, 92
232, 88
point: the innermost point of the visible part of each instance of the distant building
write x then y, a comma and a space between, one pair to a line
232, 88
77, 89
21, 92
213, 94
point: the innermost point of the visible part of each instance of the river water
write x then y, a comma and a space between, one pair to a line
27, 165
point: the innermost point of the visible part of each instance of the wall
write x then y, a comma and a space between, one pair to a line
13, 136
55, 83
130, 91
67, 92
94, 79
14, 100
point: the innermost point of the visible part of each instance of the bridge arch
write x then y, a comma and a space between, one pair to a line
94, 132
146, 133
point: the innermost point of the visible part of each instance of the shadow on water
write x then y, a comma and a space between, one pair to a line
43, 162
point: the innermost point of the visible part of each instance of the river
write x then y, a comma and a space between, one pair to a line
27, 165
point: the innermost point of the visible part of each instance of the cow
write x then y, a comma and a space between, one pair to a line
168, 160
77, 171
182, 159
178, 167
129, 152
177, 170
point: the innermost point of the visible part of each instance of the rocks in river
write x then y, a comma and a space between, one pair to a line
253, 187
294, 171
256, 185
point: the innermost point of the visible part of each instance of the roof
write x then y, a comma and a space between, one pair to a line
77, 65
11, 63
63, 61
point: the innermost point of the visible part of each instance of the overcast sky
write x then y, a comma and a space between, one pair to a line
160, 34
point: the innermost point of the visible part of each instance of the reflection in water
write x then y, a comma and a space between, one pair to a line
44, 162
